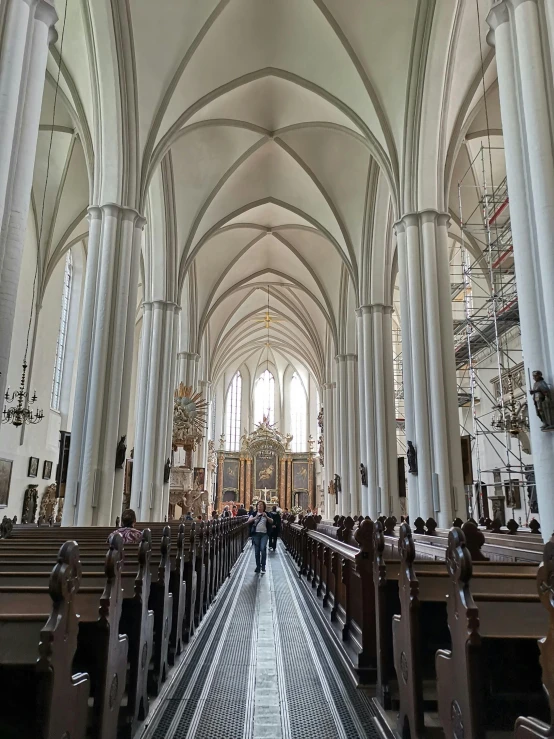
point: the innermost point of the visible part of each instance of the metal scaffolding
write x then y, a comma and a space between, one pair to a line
491, 380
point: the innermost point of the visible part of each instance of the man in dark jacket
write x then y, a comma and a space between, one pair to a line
242, 511
275, 529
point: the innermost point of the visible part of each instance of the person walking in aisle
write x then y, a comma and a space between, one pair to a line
260, 527
275, 516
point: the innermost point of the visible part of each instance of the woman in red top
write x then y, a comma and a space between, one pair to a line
234, 510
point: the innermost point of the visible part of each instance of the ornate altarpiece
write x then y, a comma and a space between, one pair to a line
265, 468
189, 421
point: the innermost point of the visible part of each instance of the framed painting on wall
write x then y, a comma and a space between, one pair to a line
33, 467
266, 471
47, 470
199, 478
300, 475
231, 474
5, 480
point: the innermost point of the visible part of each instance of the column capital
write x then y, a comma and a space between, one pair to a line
372, 307
498, 14
161, 304
419, 218
46, 12
329, 385
114, 210
189, 355
346, 358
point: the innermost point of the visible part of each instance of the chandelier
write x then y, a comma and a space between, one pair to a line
511, 415
21, 414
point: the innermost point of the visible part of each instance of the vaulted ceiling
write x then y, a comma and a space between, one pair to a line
269, 142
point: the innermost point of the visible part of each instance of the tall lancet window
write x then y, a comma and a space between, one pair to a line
62, 334
264, 398
298, 414
232, 425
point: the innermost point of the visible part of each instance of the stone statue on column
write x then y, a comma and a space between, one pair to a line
363, 474
167, 470
120, 453
542, 398
411, 454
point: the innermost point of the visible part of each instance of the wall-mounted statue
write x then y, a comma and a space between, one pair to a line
542, 398
338, 488
363, 474
120, 453
30, 504
411, 454
167, 470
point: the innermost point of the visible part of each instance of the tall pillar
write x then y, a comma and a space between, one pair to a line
155, 390
219, 494
205, 387
290, 497
282, 476
378, 415
427, 338
348, 435
524, 76
365, 402
27, 33
329, 446
248, 495
188, 368
107, 336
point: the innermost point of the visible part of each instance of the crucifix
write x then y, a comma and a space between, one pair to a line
265, 495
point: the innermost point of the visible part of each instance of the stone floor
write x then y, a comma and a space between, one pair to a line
262, 666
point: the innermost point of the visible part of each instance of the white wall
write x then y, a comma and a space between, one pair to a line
41, 440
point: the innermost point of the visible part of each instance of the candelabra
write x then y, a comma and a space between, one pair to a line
20, 414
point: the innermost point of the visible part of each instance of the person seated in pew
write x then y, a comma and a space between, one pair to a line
129, 533
242, 510
215, 514
189, 517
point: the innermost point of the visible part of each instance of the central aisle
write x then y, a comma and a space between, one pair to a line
253, 671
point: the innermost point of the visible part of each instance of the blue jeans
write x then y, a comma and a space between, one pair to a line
260, 545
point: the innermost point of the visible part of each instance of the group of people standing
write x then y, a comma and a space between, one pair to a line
265, 526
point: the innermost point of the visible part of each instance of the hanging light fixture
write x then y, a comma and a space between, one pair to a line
21, 414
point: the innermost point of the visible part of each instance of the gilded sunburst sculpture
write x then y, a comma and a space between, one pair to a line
190, 412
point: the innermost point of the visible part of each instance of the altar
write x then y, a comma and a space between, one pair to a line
265, 469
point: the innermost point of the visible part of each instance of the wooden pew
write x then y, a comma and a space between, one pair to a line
529, 727
136, 620
37, 681
510, 617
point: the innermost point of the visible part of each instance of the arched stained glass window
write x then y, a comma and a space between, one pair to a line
298, 414
62, 334
264, 398
232, 425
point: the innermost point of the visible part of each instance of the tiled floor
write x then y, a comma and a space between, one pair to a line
262, 667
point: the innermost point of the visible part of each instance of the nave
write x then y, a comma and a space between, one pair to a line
263, 666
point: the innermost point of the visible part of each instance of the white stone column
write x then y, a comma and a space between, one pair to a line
188, 368
427, 338
149, 493
524, 75
107, 337
28, 30
329, 392
205, 387
379, 411
409, 421
348, 435
369, 416
365, 404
